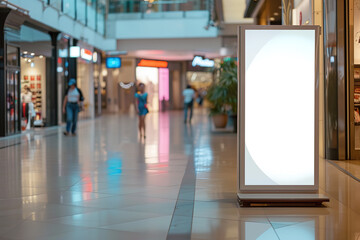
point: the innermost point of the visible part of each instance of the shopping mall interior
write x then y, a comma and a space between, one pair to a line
179, 119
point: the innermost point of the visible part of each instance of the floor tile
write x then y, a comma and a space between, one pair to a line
104, 218
106, 183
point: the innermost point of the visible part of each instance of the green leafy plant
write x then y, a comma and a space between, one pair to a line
222, 94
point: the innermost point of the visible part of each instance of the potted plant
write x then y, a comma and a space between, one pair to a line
222, 94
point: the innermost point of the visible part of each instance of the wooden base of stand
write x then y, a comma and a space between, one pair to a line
281, 200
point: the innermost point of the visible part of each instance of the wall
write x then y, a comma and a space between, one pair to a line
117, 99
233, 10
172, 25
126, 75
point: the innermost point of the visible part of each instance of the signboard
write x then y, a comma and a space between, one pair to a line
113, 62
153, 63
202, 62
86, 54
95, 57
74, 51
278, 96
63, 53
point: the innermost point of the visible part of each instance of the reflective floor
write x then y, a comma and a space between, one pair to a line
179, 183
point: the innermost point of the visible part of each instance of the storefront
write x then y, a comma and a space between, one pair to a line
342, 74
85, 80
27, 61
200, 75
199, 72
354, 77
155, 75
33, 90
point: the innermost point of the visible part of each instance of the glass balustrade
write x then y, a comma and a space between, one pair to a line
149, 6
88, 12
92, 13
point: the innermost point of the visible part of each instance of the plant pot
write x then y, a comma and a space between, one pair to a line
220, 120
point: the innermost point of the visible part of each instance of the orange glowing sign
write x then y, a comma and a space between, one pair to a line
153, 63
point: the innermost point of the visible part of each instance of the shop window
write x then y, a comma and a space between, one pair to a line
12, 56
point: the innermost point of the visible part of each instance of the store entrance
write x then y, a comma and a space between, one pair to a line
156, 82
33, 90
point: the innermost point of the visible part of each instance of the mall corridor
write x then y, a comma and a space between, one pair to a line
180, 183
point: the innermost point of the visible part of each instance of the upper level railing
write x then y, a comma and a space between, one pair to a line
150, 6
91, 13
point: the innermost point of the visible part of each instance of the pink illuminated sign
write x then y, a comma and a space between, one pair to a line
164, 84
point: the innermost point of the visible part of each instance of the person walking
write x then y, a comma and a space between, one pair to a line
71, 106
189, 95
141, 108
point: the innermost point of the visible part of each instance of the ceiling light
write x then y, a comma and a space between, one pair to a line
276, 14
41, 56
25, 52
29, 60
272, 19
32, 54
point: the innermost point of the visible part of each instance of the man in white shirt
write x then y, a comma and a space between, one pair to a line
189, 95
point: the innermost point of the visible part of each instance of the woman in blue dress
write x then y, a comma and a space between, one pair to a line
141, 108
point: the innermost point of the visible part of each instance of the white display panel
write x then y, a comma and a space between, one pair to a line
278, 100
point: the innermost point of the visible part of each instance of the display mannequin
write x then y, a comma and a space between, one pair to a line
28, 106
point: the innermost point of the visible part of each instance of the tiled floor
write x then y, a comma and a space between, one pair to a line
107, 184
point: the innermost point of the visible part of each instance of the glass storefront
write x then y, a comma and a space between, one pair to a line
354, 78
12, 82
12, 100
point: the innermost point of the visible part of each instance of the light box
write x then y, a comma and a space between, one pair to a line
113, 62
278, 106
163, 84
74, 51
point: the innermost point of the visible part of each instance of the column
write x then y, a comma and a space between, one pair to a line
51, 85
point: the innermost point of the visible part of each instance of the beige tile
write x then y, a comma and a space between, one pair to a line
56, 188
104, 218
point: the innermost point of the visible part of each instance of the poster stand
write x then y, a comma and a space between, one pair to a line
278, 164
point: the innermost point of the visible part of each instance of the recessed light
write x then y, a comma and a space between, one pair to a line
25, 52
32, 54
41, 56
276, 14
280, 7
272, 19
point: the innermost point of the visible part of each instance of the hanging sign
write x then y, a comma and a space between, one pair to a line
86, 54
